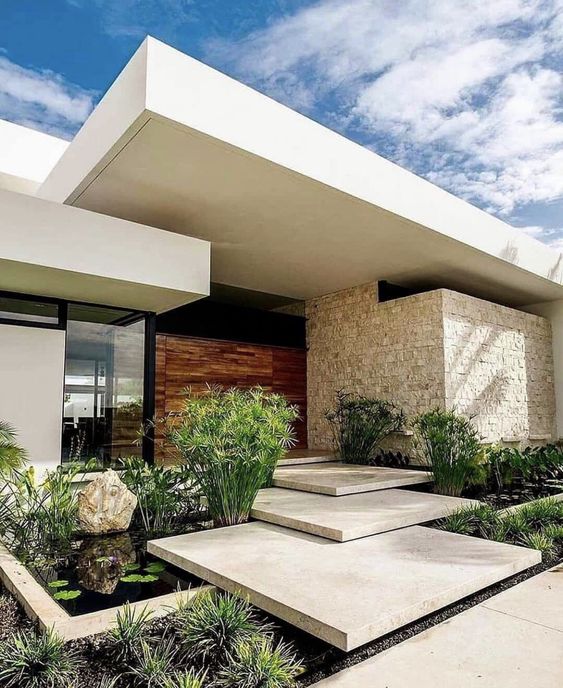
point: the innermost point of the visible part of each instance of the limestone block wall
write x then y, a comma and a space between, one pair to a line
392, 350
499, 368
439, 348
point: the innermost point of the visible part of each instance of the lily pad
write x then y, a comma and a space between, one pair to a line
139, 578
58, 584
102, 560
155, 567
132, 567
67, 594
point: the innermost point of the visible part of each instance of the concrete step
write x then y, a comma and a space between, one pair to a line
336, 479
346, 593
353, 516
512, 639
301, 457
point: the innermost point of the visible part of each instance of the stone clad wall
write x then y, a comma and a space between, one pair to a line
438, 348
499, 368
392, 350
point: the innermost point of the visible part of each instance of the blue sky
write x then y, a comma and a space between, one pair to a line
468, 94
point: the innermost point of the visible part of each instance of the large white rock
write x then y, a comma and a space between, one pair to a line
106, 505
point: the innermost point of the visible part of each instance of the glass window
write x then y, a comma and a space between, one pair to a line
104, 383
24, 310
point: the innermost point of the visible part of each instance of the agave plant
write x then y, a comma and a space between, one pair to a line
12, 456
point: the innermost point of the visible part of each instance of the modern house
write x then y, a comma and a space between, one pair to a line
197, 231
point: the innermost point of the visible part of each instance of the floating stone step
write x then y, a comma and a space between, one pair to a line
346, 593
352, 516
298, 458
336, 479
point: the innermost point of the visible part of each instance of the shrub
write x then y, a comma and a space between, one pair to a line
256, 663
152, 663
130, 630
35, 514
214, 623
359, 424
165, 496
452, 450
534, 464
32, 660
231, 442
12, 456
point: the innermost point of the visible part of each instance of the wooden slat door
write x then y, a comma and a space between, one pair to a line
190, 362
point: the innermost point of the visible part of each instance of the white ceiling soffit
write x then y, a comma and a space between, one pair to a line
291, 208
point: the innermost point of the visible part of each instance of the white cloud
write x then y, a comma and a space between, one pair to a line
467, 93
42, 99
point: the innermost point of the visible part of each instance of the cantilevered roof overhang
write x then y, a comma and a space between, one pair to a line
50, 249
291, 208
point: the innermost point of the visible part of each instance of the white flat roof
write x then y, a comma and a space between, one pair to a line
54, 250
26, 157
290, 207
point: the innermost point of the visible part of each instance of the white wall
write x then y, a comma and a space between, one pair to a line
31, 389
553, 311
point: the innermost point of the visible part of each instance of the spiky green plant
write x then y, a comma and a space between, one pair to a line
152, 663
452, 450
231, 442
479, 520
541, 513
538, 540
33, 660
257, 663
12, 456
359, 424
186, 679
214, 623
131, 628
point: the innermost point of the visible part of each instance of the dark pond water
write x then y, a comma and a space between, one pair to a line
106, 571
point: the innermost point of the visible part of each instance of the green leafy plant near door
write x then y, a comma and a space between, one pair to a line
12, 456
359, 424
231, 441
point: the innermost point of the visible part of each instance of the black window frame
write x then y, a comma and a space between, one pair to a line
149, 362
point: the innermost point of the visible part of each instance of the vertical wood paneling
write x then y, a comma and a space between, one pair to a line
183, 362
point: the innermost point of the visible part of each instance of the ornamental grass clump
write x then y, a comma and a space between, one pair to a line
231, 441
258, 663
359, 425
34, 660
451, 447
130, 630
214, 624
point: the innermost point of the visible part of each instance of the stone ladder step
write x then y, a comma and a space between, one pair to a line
337, 479
352, 516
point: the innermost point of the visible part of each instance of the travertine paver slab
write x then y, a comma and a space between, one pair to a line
306, 456
346, 593
351, 516
480, 648
539, 600
338, 479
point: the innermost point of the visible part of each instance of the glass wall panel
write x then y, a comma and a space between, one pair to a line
28, 310
104, 383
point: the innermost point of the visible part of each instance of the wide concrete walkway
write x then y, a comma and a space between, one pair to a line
513, 640
346, 593
353, 516
337, 479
